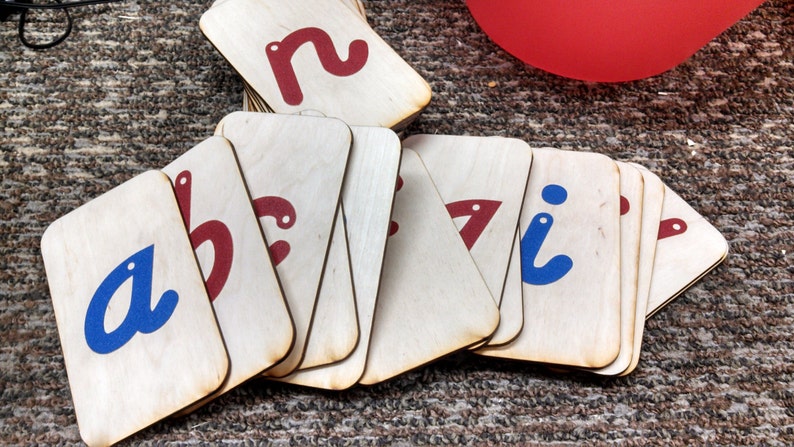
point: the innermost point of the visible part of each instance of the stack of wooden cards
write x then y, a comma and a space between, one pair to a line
315, 55
179, 285
599, 246
308, 251
577, 250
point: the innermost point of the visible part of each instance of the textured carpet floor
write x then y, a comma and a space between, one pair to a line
136, 85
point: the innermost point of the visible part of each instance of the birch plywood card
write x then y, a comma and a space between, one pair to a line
367, 197
511, 306
138, 333
652, 199
357, 6
251, 101
233, 257
688, 248
319, 55
482, 181
334, 327
432, 299
293, 166
631, 195
570, 260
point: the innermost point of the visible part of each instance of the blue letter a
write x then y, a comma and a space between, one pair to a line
140, 317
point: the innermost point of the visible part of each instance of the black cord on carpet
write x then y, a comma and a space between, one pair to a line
11, 7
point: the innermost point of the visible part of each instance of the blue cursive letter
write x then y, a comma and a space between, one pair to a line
140, 317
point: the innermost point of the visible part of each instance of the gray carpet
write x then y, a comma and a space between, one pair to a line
123, 95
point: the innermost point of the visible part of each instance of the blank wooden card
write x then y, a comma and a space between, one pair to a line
318, 55
367, 196
652, 200
233, 256
293, 166
511, 306
482, 181
631, 195
334, 327
138, 332
356, 6
433, 300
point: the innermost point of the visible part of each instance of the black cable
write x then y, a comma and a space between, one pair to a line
58, 5
43, 46
23, 7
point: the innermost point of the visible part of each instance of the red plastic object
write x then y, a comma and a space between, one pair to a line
606, 40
